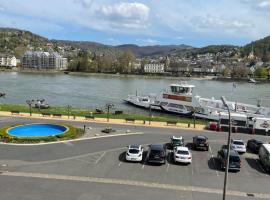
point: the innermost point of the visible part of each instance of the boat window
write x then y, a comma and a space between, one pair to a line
176, 106
163, 103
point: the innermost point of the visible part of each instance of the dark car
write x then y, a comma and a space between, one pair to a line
254, 145
156, 154
234, 160
200, 142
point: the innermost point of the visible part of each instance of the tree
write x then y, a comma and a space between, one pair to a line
240, 71
226, 72
261, 72
125, 62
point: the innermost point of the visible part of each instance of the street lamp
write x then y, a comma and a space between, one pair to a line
109, 106
150, 113
68, 109
30, 103
228, 148
2, 95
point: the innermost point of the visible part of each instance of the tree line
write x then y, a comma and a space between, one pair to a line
86, 61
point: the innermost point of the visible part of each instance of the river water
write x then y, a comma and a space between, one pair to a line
91, 91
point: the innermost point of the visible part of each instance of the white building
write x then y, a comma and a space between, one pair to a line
43, 60
8, 61
154, 68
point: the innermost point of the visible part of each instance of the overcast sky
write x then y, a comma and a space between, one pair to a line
144, 22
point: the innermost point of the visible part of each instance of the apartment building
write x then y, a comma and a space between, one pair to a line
43, 60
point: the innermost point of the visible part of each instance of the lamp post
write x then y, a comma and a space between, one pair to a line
194, 110
68, 109
2, 95
109, 106
30, 103
150, 114
228, 148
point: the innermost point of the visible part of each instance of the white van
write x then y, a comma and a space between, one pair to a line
264, 155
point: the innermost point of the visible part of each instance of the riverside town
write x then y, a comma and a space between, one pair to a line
117, 100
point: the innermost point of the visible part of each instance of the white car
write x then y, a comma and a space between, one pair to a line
134, 153
182, 155
238, 145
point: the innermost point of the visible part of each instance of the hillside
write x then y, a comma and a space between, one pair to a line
15, 41
155, 50
261, 48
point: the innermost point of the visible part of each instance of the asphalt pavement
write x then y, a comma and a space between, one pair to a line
96, 168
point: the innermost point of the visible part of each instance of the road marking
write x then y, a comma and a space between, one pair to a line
134, 183
84, 161
168, 164
212, 156
101, 156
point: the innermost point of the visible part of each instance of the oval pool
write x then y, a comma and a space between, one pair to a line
37, 130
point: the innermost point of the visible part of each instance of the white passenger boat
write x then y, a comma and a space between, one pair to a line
179, 99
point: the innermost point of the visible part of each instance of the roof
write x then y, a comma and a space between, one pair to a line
157, 146
237, 140
201, 137
134, 146
267, 146
182, 85
181, 148
232, 152
177, 137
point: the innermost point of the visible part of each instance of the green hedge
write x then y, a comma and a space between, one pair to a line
72, 133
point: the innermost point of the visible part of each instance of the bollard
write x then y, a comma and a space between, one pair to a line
74, 117
84, 127
188, 125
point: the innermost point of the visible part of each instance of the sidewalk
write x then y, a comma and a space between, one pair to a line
104, 120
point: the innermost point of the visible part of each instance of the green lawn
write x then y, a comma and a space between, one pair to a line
85, 112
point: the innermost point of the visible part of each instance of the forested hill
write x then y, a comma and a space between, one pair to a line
16, 41
261, 48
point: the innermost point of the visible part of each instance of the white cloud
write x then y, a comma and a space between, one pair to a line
147, 41
179, 38
214, 22
126, 15
113, 41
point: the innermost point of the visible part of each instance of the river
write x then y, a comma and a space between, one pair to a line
91, 91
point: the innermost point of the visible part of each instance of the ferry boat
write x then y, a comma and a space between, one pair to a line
179, 99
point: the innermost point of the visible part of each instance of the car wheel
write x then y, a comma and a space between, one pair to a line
207, 148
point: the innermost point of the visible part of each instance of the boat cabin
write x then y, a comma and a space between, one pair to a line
182, 89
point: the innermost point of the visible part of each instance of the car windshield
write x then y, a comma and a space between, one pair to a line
182, 152
234, 159
134, 151
201, 140
177, 141
155, 151
238, 142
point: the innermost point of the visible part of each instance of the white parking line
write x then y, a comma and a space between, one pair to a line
168, 164
84, 161
212, 156
100, 157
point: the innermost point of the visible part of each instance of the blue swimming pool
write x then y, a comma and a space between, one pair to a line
36, 130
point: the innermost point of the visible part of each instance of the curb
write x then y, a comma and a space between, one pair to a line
73, 140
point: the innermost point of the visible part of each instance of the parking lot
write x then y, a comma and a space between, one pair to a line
203, 172
102, 161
